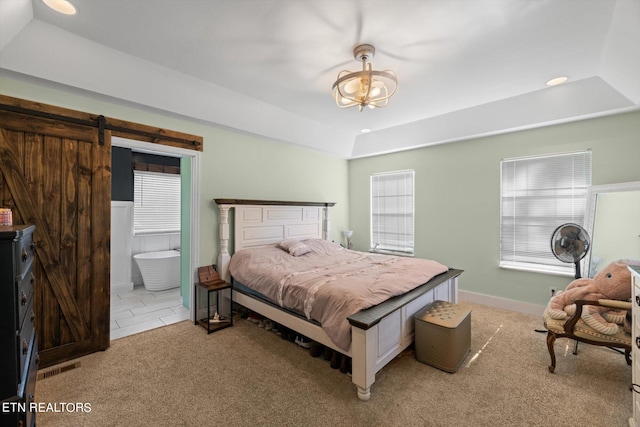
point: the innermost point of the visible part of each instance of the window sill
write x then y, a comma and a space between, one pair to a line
531, 269
388, 252
155, 233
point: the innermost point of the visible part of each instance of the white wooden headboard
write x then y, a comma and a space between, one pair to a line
259, 223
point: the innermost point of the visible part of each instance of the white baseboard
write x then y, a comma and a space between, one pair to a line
507, 304
120, 288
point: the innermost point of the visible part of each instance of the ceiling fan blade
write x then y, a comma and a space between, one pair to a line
425, 42
317, 13
406, 48
333, 67
358, 34
393, 55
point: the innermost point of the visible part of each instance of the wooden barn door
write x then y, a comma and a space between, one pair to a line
56, 174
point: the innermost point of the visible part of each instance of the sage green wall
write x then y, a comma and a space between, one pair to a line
457, 202
233, 164
457, 185
247, 167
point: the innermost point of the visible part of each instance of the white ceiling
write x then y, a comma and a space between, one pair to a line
465, 68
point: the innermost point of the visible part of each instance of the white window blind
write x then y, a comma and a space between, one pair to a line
392, 214
156, 202
538, 194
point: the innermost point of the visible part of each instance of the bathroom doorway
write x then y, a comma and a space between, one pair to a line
143, 309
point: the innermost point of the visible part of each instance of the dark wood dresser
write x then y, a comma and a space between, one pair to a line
18, 343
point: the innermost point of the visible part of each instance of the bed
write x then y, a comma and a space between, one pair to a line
377, 334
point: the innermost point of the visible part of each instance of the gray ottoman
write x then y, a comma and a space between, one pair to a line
443, 335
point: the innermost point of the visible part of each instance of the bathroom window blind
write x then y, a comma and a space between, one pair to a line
156, 202
538, 194
392, 212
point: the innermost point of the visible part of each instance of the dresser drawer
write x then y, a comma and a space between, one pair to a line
635, 348
27, 387
18, 345
635, 306
25, 294
25, 337
26, 392
28, 396
25, 251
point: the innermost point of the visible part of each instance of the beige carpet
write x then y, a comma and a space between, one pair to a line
245, 376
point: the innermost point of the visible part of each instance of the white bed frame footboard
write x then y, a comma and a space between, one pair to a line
378, 334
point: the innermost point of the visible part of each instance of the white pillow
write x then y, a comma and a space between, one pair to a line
294, 247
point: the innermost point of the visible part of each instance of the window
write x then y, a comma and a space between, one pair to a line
156, 202
392, 211
538, 194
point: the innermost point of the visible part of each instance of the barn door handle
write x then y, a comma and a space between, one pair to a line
24, 255
638, 342
638, 300
23, 299
25, 346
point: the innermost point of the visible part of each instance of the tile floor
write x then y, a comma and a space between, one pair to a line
141, 310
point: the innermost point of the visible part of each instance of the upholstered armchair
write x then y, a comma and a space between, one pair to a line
575, 328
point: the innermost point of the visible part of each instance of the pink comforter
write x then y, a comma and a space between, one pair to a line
330, 283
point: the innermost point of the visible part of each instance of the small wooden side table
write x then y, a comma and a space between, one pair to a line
214, 320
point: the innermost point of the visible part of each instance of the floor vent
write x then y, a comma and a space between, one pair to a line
57, 370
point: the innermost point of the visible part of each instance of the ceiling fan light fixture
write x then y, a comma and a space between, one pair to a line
366, 88
61, 6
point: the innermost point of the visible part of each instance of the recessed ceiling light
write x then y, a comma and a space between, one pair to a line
557, 81
365, 130
61, 6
